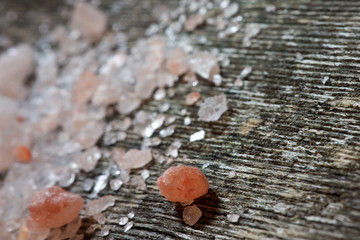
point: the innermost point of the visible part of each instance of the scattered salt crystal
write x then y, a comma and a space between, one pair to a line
224, 3
115, 184
128, 102
204, 64
105, 230
232, 217
100, 183
123, 221
217, 80
145, 174
187, 121
84, 88
87, 184
197, 136
212, 108
251, 30
99, 205
239, 82
125, 176
231, 174
131, 215
299, 56
150, 142
88, 159
232, 29
89, 21
191, 215
325, 79
205, 165
128, 226
169, 119
192, 98
231, 10
167, 131
100, 218
194, 21
177, 62
245, 72
159, 94
67, 179
171, 92
138, 182
164, 107
134, 159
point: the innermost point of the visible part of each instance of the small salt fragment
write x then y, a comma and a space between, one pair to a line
224, 3
128, 102
115, 184
197, 136
299, 56
85, 87
177, 62
232, 29
270, 8
212, 108
99, 205
100, 183
125, 176
70, 230
138, 182
170, 161
192, 98
204, 64
251, 30
183, 112
193, 22
100, 218
245, 72
325, 79
167, 131
205, 165
232, 217
231, 10
54, 207
128, 226
87, 184
105, 230
145, 174
123, 221
159, 94
231, 174
150, 142
88, 159
89, 21
164, 107
67, 179
217, 80
171, 92
187, 121
191, 215
134, 159
170, 119
239, 82
131, 215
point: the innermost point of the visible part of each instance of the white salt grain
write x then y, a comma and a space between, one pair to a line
145, 174
217, 80
100, 183
212, 108
123, 221
115, 184
232, 217
128, 226
87, 184
134, 159
197, 136
245, 72
325, 79
131, 215
187, 121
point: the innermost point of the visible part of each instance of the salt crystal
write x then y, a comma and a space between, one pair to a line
88, 159
159, 94
197, 136
325, 79
167, 131
100, 183
89, 21
299, 56
105, 230
191, 215
187, 121
231, 10
192, 98
171, 92
87, 184
193, 21
123, 221
217, 80
67, 179
70, 230
177, 62
232, 217
245, 72
164, 107
115, 184
183, 112
204, 64
145, 174
270, 8
212, 108
128, 102
99, 205
100, 218
131, 215
224, 3
85, 87
239, 82
128, 226
170, 119
138, 182
134, 159
88, 135
251, 30
231, 174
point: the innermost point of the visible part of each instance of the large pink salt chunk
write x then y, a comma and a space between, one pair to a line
89, 21
182, 184
85, 87
54, 207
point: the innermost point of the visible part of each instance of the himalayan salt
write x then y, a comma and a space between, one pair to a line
177, 62
191, 215
231, 10
192, 98
204, 64
88, 135
89, 21
128, 102
145, 85
232, 217
87, 160
182, 183
115, 184
194, 21
97, 206
212, 108
251, 30
54, 207
134, 159
84, 87
138, 182
16, 65
23, 154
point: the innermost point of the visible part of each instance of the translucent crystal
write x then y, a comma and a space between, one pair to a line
245, 72
99, 205
105, 230
193, 21
231, 10
191, 215
197, 136
145, 174
159, 94
88, 159
217, 80
87, 184
128, 226
251, 30
100, 183
212, 108
187, 121
192, 98
167, 131
204, 64
100, 218
123, 221
131, 215
232, 217
134, 159
115, 184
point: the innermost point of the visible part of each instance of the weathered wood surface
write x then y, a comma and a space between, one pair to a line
293, 141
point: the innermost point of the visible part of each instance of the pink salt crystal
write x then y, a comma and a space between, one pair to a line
177, 62
16, 65
84, 87
88, 135
128, 102
99, 205
54, 207
191, 215
193, 21
182, 183
204, 64
192, 98
105, 94
89, 21
88, 159
212, 108
145, 85
134, 159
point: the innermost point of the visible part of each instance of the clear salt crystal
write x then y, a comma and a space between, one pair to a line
131, 215
92, 228
138, 182
169, 120
231, 10
100, 183
197, 136
205, 165
145, 174
232, 217
245, 72
164, 107
232, 29
99, 205
187, 121
183, 112
171, 92
115, 184
270, 8
299, 56
128, 226
217, 80
194, 21
204, 64
88, 159
123, 221
128, 102
159, 94
87, 184
231, 174
212, 108
224, 3
191, 215
325, 79
167, 131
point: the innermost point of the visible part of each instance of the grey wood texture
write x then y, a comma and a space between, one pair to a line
292, 140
